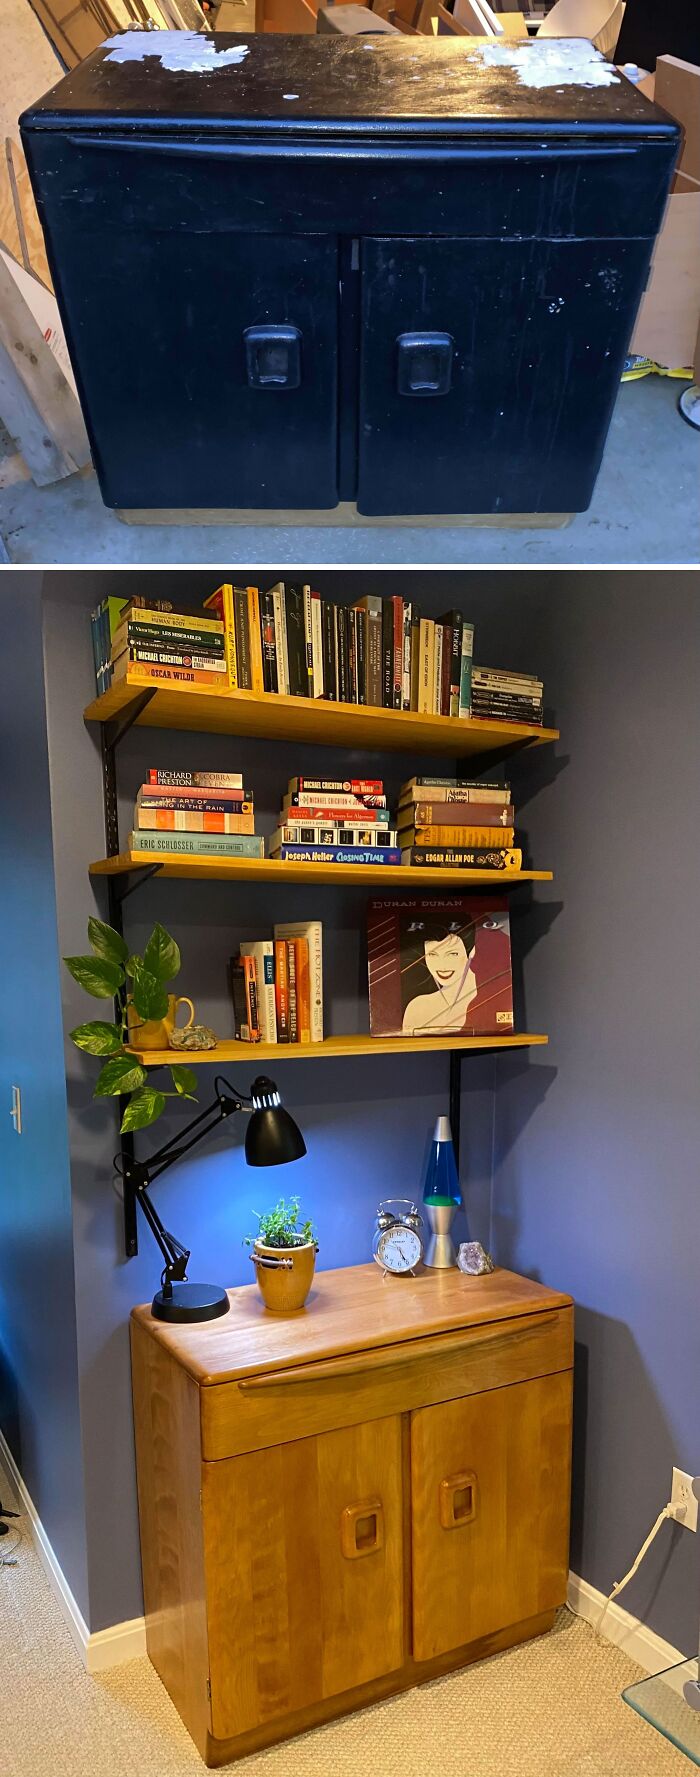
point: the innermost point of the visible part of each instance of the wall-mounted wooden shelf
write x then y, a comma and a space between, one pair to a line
250, 1054
271, 717
274, 870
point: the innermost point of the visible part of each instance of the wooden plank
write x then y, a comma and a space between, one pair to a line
343, 1046
345, 514
667, 322
677, 89
273, 717
351, 1310
58, 440
25, 425
211, 869
20, 229
55, 32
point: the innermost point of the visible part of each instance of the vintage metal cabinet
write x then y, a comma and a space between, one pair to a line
341, 1503
380, 271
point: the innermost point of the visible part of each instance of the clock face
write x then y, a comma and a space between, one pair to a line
399, 1249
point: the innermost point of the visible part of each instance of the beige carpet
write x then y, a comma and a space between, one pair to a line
551, 1708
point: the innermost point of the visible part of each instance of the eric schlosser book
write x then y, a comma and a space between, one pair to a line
440, 964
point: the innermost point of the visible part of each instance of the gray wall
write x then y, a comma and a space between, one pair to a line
39, 1414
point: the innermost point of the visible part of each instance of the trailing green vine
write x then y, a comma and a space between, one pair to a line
104, 974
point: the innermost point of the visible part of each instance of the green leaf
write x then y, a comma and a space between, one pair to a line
142, 1109
184, 1081
161, 956
106, 942
97, 1038
149, 996
100, 978
121, 1074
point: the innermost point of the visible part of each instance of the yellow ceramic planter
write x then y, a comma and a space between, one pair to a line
284, 1274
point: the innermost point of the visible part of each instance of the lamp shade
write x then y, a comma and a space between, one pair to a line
272, 1137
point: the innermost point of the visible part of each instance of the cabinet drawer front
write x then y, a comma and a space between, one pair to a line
276, 1406
490, 1483
304, 1564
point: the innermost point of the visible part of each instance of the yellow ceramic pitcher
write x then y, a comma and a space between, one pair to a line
154, 1033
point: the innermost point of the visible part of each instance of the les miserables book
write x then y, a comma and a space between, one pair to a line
439, 964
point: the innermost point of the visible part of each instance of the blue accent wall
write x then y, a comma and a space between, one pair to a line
39, 1404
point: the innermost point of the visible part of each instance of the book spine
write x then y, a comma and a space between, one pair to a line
406, 658
465, 838
245, 1029
317, 644
517, 707
329, 688
281, 990
296, 642
268, 641
465, 673
176, 620
488, 678
263, 956
336, 680
251, 994
452, 814
179, 640
241, 621
429, 857
456, 664
425, 666
343, 674
186, 678
387, 653
457, 788
415, 656
338, 854
222, 603
255, 638
338, 800
360, 621
95, 639
436, 703
345, 786
322, 833
314, 938
309, 640
217, 845
369, 817
445, 669
215, 669
397, 663
281, 639
177, 820
374, 653
196, 780
352, 654
293, 995
303, 986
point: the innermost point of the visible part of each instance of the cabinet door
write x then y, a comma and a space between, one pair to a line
209, 372
489, 371
490, 1501
303, 1552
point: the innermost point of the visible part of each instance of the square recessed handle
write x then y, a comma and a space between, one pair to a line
425, 363
273, 357
362, 1528
458, 1500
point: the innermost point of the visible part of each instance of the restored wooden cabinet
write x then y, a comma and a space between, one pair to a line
339, 1503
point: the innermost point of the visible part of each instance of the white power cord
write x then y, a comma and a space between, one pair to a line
669, 1511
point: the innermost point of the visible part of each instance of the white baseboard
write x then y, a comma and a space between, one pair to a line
649, 1650
107, 1647
127, 1641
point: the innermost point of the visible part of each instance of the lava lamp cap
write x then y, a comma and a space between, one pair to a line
443, 1131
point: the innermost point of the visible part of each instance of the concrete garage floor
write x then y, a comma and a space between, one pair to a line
646, 509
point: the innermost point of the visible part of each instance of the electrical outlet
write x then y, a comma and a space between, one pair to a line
684, 1499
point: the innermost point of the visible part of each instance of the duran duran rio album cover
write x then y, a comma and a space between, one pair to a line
439, 964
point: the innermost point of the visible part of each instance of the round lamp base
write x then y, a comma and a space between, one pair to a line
191, 1302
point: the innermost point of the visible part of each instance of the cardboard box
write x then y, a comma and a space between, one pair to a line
666, 328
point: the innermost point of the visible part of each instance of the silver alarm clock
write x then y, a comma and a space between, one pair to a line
397, 1244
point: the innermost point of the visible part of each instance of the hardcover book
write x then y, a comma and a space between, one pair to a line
439, 964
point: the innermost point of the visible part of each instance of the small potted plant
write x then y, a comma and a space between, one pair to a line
284, 1256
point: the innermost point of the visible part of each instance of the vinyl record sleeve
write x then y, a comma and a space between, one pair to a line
440, 964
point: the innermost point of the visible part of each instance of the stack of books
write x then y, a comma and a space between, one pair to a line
104, 620
378, 651
450, 822
503, 696
335, 821
157, 646
277, 986
200, 813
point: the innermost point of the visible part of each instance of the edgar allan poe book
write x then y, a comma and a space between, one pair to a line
440, 964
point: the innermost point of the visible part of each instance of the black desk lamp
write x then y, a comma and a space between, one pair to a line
272, 1138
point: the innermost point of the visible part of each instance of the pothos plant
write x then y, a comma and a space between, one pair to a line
111, 972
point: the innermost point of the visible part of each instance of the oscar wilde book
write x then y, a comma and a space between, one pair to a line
440, 964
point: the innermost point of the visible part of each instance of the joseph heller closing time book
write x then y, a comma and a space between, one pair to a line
440, 964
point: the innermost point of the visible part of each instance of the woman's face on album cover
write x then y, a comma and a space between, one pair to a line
447, 959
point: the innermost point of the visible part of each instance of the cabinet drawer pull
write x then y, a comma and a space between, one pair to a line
458, 1499
273, 357
424, 363
362, 1528
363, 1363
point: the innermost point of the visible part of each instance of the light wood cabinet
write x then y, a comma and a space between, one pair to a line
341, 1503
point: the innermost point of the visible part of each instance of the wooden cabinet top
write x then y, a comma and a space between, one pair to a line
355, 1309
